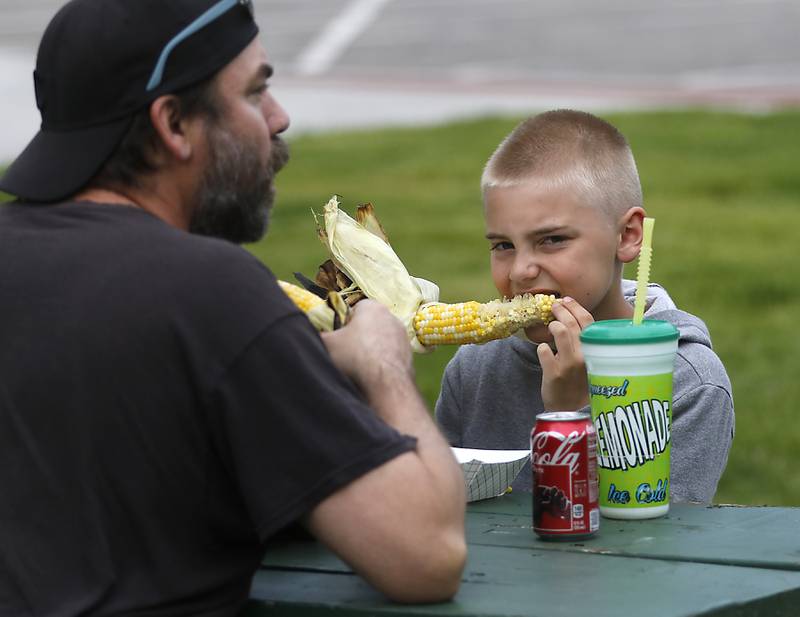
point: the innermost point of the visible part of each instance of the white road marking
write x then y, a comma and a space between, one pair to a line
340, 32
774, 75
19, 118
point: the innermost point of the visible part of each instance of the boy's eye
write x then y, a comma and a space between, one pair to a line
554, 240
501, 246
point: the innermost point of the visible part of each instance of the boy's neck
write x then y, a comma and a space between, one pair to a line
615, 306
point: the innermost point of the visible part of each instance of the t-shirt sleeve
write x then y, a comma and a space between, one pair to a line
294, 429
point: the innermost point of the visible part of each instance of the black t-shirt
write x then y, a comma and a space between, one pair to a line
164, 409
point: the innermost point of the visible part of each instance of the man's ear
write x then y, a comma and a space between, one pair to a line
630, 234
171, 126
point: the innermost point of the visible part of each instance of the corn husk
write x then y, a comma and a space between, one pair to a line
428, 289
365, 215
371, 264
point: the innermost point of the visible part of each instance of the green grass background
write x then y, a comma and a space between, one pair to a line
724, 189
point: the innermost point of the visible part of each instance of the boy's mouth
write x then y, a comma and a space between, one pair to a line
547, 292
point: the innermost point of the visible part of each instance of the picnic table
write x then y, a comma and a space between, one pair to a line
698, 560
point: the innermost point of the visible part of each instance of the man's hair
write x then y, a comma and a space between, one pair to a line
133, 157
568, 149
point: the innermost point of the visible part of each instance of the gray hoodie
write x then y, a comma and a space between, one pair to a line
491, 395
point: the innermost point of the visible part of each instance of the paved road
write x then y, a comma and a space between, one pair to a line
345, 63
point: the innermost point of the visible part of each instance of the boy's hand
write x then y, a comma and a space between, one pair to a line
564, 382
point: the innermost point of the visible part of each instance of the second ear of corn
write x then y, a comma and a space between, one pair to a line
438, 323
476, 322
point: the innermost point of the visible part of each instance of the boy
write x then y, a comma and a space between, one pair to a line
563, 212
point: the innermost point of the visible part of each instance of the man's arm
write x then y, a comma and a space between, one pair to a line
400, 526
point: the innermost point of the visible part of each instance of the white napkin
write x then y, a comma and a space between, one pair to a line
489, 473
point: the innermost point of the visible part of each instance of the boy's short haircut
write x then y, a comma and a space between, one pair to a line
568, 149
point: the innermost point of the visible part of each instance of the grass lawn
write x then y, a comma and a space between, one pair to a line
724, 189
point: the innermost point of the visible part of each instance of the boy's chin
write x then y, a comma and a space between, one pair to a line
539, 334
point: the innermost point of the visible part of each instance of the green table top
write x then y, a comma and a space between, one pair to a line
721, 560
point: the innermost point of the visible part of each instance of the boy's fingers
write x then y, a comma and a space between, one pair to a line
572, 313
564, 316
564, 336
547, 359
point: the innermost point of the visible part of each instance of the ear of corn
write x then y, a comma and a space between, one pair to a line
320, 314
447, 324
473, 322
363, 264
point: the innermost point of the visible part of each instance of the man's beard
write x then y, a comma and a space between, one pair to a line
237, 190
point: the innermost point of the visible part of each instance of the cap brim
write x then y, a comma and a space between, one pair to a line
56, 164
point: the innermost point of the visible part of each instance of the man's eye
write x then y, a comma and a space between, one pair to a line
260, 89
501, 246
554, 240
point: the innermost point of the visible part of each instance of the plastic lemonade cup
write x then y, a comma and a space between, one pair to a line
630, 386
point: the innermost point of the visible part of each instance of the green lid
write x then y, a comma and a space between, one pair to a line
623, 332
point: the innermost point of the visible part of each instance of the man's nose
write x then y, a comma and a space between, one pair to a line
277, 118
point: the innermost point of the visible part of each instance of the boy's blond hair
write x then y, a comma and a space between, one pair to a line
568, 149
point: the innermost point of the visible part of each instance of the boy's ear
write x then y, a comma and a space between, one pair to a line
171, 126
630, 234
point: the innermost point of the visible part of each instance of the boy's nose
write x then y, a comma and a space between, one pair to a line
524, 269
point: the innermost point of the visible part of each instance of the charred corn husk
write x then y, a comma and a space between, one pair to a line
365, 215
318, 312
474, 322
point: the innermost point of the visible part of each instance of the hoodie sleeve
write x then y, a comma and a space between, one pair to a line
702, 411
702, 433
448, 409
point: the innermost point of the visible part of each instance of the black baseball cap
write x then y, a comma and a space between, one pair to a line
102, 61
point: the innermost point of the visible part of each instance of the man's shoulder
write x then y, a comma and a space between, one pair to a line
163, 251
216, 275
177, 269
208, 256
183, 246
127, 235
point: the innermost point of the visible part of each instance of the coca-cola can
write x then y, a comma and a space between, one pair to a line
564, 461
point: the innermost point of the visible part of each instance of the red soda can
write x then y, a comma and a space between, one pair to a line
564, 461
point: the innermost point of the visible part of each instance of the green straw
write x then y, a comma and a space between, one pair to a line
643, 271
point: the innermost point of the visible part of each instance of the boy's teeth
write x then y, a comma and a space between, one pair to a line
544, 291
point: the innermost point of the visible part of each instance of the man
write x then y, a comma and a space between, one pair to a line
164, 409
